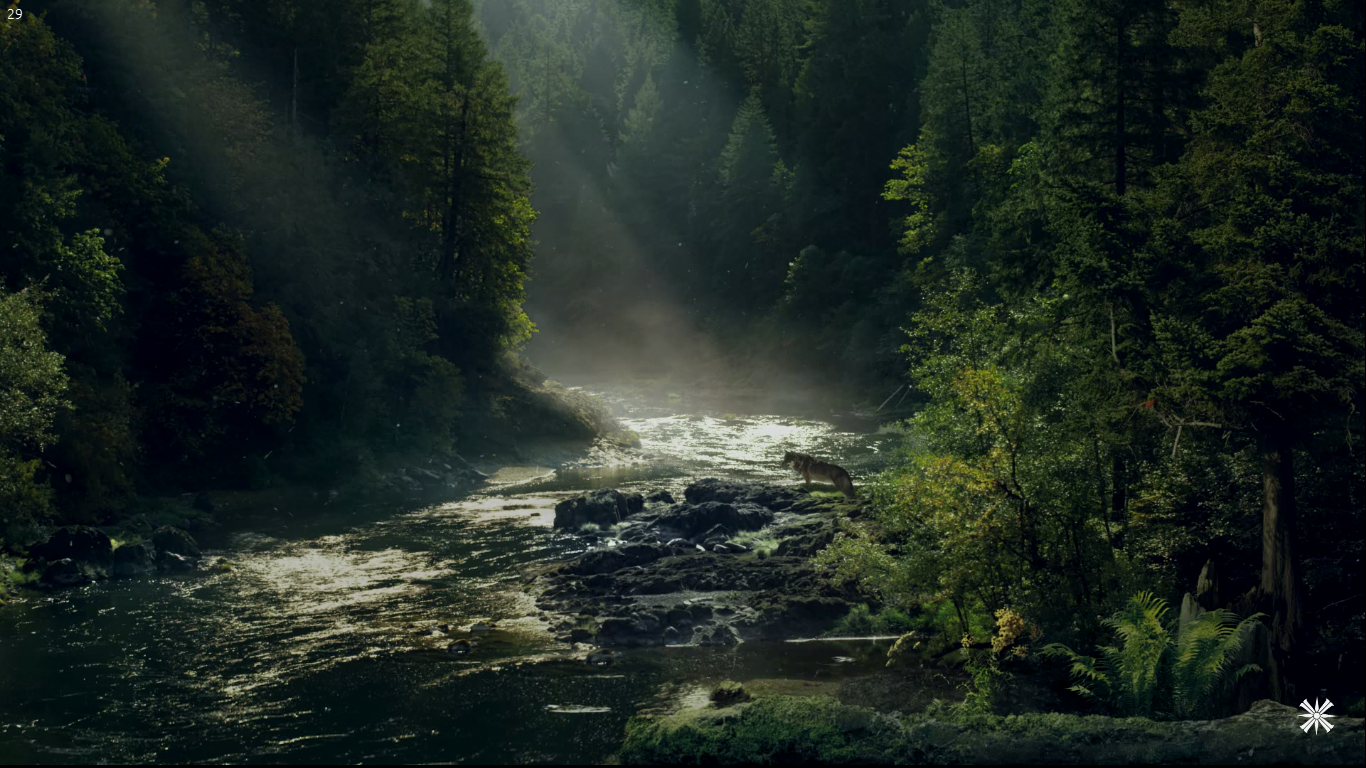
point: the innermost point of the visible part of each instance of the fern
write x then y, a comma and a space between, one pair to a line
1206, 649
1133, 676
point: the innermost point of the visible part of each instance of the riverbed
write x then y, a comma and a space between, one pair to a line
322, 645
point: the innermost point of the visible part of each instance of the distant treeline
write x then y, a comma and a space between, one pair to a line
208, 277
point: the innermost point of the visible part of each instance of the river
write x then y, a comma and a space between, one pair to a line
310, 653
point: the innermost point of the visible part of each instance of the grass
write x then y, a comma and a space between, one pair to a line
12, 576
761, 541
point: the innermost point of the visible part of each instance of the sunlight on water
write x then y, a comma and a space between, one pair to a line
328, 643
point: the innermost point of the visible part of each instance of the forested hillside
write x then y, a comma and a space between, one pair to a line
206, 285
1125, 237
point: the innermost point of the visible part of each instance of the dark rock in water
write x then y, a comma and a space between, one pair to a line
203, 503
170, 562
460, 647
66, 573
610, 560
604, 507
481, 628
774, 497
168, 539
134, 559
659, 497
82, 544
691, 520
800, 615
580, 635
679, 617
722, 635
729, 692
671, 635
601, 657
641, 630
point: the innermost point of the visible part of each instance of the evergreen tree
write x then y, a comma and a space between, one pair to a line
1260, 325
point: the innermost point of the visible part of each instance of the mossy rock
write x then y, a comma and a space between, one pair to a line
729, 693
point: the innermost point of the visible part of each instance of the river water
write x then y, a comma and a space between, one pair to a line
310, 651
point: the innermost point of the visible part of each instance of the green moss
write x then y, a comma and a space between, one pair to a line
762, 542
772, 730
819, 730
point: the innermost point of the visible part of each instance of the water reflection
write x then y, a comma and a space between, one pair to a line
325, 644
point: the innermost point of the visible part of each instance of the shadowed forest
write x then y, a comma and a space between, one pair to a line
1107, 253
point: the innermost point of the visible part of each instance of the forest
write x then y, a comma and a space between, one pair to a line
1110, 251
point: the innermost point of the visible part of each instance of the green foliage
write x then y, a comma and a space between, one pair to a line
911, 188
1153, 674
32, 384
761, 542
862, 622
990, 501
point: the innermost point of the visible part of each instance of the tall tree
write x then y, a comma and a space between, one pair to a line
1261, 329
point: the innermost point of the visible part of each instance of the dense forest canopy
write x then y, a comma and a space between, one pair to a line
1119, 243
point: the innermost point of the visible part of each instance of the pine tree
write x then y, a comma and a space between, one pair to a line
1260, 326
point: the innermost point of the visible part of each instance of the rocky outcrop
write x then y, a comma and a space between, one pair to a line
673, 575
713, 518
168, 539
81, 544
823, 732
136, 559
777, 498
78, 555
67, 573
611, 560
603, 507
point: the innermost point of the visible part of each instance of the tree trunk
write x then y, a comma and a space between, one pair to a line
1280, 587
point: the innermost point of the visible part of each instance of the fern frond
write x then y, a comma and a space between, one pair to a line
1205, 653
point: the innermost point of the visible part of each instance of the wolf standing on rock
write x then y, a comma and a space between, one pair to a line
810, 467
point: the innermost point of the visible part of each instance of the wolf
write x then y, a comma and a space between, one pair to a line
810, 467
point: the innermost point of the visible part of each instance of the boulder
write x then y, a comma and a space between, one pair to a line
722, 635
640, 629
804, 538
774, 497
66, 573
601, 657
693, 519
82, 544
170, 562
659, 497
168, 539
604, 507
612, 560
728, 693
135, 559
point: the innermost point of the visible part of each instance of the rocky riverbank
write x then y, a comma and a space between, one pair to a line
730, 562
